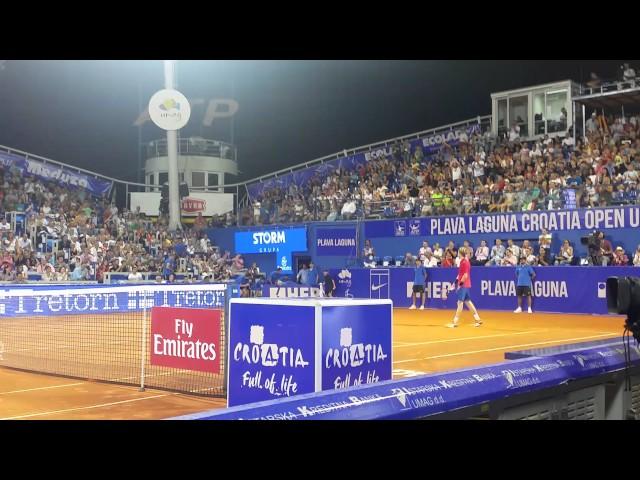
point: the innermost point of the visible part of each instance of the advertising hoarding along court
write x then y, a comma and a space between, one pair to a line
186, 338
282, 242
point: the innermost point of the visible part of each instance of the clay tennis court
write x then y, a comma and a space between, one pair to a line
421, 345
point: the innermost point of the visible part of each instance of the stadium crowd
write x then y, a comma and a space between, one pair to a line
535, 253
482, 175
92, 237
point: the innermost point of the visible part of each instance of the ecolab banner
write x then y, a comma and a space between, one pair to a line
206, 203
336, 242
186, 338
608, 218
555, 289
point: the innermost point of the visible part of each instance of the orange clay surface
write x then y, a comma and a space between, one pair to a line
421, 345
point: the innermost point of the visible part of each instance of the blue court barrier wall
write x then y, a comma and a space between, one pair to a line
555, 289
436, 393
396, 237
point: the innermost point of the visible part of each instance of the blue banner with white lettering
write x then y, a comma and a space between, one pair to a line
553, 220
53, 172
555, 289
95, 299
336, 242
356, 345
437, 393
281, 242
271, 352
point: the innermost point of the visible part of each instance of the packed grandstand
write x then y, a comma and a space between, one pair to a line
72, 235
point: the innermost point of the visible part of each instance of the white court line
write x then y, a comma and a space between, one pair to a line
52, 412
500, 348
470, 338
42, 388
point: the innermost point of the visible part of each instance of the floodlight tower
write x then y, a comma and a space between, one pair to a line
172, 154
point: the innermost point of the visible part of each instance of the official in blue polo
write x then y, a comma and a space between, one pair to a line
419, 282
524, 282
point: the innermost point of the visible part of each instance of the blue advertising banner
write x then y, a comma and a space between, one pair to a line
555, 289
336, 242
54, 172
61, 300
356, 345
432, 394
608, 218
271, 351
281, 242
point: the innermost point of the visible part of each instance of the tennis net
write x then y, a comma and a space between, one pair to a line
104, 333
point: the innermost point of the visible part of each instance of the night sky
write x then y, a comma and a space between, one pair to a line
82, 112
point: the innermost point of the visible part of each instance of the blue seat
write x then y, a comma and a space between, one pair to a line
386, 261
399, 260
377, 260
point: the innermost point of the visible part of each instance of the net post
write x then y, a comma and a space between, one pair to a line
143, 341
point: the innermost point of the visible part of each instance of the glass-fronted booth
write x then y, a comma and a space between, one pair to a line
534, 111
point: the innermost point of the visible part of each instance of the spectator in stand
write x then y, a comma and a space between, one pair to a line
514, 248
368, 254
437, 252
451, 248
423, 250
448, 259
409, 260
368, 249
482, 254
636, 257
497, 253
429, 260
566, 254
349, 209
510, 259
545, 238
514, 133
607, 250
592, 123
135, 275
544, 257
620, 258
